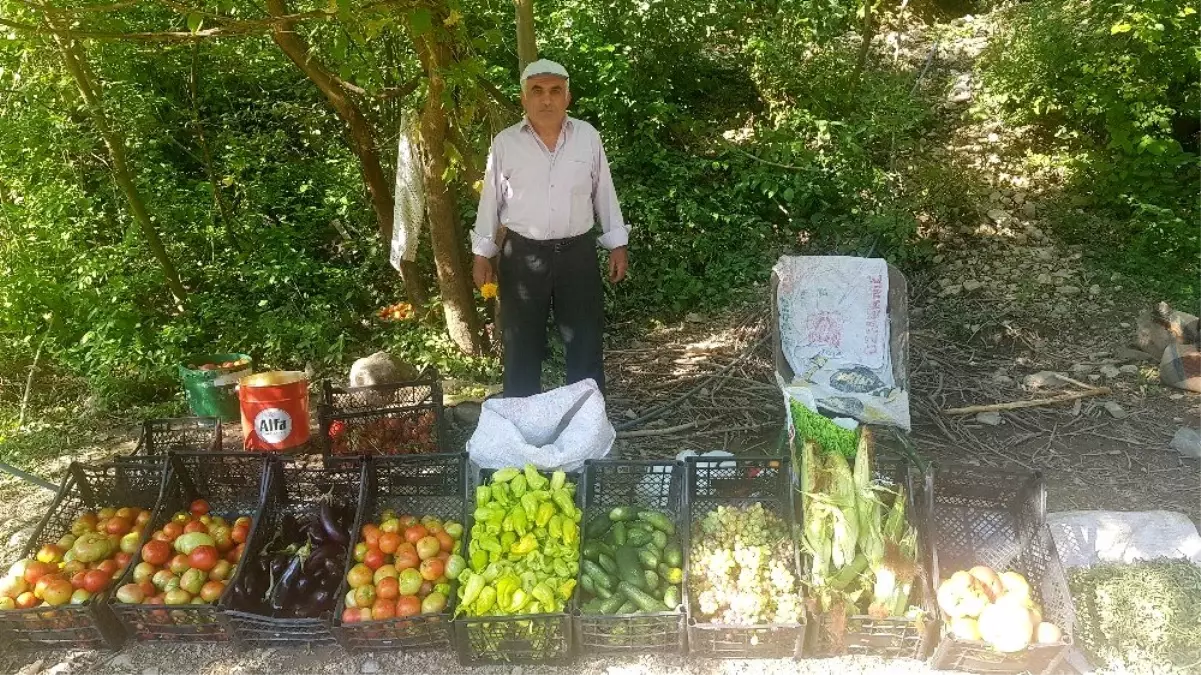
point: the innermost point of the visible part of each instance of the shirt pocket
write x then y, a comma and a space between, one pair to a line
579, 175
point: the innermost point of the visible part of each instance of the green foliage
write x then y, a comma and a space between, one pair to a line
1124, 97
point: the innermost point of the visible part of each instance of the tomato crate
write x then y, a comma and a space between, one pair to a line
741, 481
301, 492
386, 419
646, 484
538, 639
127, 482
179, 434
232, 485
417, 485
889, 637
983, 516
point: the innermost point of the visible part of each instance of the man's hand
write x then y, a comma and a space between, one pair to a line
481, 271
618, 260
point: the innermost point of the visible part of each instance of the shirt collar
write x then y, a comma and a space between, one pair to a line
568, 123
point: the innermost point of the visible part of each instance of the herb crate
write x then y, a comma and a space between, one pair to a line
232, 484
418, 485
387, 419
983, 516
740, 481
130, 481
652, 485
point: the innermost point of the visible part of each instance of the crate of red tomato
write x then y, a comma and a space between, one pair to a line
197, 536
387, 419
54, 596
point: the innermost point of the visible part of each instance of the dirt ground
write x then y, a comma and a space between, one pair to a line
1005, 301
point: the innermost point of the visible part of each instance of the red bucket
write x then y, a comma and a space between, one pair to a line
275, 410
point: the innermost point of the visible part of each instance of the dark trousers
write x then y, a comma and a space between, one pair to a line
534, 276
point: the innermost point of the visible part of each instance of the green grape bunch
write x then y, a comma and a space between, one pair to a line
741, 568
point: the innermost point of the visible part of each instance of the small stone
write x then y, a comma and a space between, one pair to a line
35, 667
1094, 290
1028, 209
58, 669
630, 414
952, 290
1044, 279
971, 285
1110, 371
939, 258
1124, 324
517, 670
999, 216
1044, 379
992, 419
1002, 379
1132, 355
369, 666
1175, 397
1082, 369
1094, 378
151, 670
994, 196
693, 317
1116, 276
1115, 410
1187, 442
1129, 369
1069, 290
121, 660
1019, 197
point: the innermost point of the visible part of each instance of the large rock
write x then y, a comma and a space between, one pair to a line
1181, 367
1044, 379
380, 368
1160, 326
1187, 442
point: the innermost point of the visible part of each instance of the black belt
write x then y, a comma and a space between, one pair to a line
556, 244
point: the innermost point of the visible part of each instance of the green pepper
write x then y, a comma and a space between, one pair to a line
518, 519
489, 543
506, 541
524, 545
557, 480
561, 568
563, 501
533, 479
483, 495
504, 475
479, 560
571, 532
546, 511
471, 590
505, 587
555, 527
486, 601
500, 494
529, 502
517, 486
519, 600
492, 572
566, 588
544, 594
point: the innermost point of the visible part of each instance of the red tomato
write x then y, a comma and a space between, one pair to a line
415, 533
148, 588
406, 557
350, 615
96, 581
408, 605
195, 526
389, 542
77, 579
445, 540
109, 567
388, 588
382, 609
199, 508
374, 558
173, 529
35, 570
117, 525
371, 534
204, 558
122, 559
142, 518
179, 564
432, 568
156, 552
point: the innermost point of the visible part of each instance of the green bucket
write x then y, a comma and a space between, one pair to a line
212, 392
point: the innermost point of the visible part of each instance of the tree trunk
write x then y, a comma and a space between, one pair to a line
869, 31
527, 42
207, 154
74, 58
362, 136
458, 302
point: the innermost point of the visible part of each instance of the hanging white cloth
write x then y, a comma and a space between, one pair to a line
409, 212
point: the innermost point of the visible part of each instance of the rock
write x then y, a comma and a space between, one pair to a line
1094, 290
1002, 379
1019, 197
1094, 378
1175, 397
1044, 379
31, 668
971, 285
1126, 324
1028, 209
631, 415
151, 670
1187, 442
1128, 369
992, 419
1110, 371
1128, 355
58, 669
1044, 279
517, 670
467, 413
952, 289
121, 660
994, 196
369, 666
1115, 410
939, 258
1069, 290
693, 317
999, 216
1081, 369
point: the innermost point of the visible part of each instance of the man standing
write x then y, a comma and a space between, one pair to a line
547, 183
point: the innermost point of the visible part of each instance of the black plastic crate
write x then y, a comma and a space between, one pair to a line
737, 481
387, 419
540, 639
91, 625
232, 484
890, 637
417, 485
997, 518
653, 485
294, 486
179, 434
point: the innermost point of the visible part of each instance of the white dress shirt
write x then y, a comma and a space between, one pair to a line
541, 193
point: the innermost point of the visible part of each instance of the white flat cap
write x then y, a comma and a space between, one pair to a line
544, 67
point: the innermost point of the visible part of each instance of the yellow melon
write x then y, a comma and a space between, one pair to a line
962, 595
1048, 634
965, 628
1015, 583
988, 579
1007, 626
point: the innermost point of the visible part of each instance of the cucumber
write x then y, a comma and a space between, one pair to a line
587, 584
601, 592
660, 539
607, 564
619, 533
637, 537
652, 580
671, 596
628, 607
623, 513
658, 521
648, 558
644, 602
593, 606
597, 527
629, 569
592, 548
673, 556
599, 578
611, 605
674, 575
